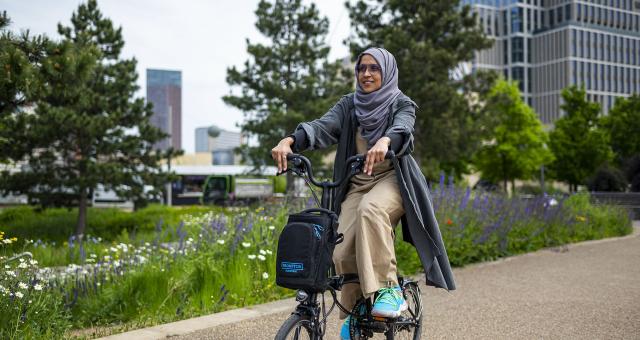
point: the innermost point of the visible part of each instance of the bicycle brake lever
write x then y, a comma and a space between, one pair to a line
356, 167
297, 171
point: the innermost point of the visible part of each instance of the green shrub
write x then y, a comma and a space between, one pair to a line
60, 223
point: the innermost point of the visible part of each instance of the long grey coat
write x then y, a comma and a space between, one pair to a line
419, 225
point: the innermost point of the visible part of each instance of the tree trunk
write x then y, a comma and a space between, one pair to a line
513, 187
82, 213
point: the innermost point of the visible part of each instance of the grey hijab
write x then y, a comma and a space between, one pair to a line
372, 108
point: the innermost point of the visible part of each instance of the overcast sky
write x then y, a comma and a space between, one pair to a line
198, 37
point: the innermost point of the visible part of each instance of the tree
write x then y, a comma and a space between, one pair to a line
578, 143
517, 149
287, 81
87, 127
430, 40
622, 125
607, 178
20, 57
633, 173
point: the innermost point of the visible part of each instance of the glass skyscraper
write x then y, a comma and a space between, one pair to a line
547, 45
164, 91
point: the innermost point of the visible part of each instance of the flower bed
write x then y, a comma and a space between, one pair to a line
217, 260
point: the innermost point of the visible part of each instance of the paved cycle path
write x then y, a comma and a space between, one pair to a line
589, 290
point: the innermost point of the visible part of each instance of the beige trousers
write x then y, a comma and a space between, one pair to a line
368, 216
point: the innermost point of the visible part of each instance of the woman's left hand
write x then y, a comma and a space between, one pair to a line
376, 154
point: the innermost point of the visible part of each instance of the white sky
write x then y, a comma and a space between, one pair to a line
198, 37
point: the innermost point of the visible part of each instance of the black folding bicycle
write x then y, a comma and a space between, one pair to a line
308, 320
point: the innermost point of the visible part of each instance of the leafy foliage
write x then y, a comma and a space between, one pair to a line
577, 141
633, 173
607, 178
19, 57
518, 147
622, 125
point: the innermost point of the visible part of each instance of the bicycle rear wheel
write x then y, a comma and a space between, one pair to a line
297, 327
409, 325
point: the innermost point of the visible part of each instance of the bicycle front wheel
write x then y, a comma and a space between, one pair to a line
297, 327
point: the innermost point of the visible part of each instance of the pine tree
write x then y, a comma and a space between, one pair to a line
429, 40
19, 60
578, 142
287, 81
517, 149
88, 128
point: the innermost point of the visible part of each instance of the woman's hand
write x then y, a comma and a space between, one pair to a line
376, 154
279, 153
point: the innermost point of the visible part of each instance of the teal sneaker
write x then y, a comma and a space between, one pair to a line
344, 331
389, 303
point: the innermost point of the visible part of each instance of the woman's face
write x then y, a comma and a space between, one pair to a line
369, 74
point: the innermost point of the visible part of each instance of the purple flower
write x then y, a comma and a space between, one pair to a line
465, 200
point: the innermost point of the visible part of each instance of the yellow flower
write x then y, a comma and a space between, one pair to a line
14, 239
581, 218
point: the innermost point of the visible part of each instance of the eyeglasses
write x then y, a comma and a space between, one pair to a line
373, 68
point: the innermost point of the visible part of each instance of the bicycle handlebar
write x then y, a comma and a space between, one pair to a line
354, 165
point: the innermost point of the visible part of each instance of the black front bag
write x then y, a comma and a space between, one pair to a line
305, 249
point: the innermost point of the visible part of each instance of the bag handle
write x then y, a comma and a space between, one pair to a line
320, 210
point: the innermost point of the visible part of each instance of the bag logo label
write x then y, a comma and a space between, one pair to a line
292, 267
317, 231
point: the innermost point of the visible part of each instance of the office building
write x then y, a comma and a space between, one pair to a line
164, 91
548, 45
220, 143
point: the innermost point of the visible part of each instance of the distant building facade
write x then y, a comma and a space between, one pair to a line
219, 143
548, 45
164, 91
202, 139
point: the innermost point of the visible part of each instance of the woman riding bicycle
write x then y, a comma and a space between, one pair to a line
377, 118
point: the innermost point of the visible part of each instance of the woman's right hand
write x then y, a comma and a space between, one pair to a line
279, 153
